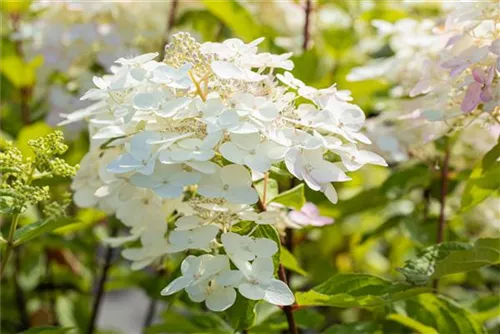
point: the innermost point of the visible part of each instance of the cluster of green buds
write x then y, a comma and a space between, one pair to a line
18, 188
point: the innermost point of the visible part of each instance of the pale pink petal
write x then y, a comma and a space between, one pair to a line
472, 97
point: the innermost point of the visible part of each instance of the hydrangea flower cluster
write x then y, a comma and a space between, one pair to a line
179, 140
77, 38
465, 76
445, 77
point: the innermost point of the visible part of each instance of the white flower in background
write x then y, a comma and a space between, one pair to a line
447, 70
177, 141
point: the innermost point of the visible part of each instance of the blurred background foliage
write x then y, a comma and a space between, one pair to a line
383, 218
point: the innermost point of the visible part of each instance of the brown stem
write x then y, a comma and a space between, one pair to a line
174, 4
288, 310
289, 245
442, 202
307, 23
153, 304
96, 305
292, 326
20, 297
264, 192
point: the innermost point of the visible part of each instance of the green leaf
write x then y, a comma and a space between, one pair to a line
355, 328
207, 323
411, 323
47, 330
242, 314
356, 290
290, 262
402, 181
15, 7
19, 73
386, 226
487, 308
450, 258
481, 184
485, 252
271, 191
293, 198
236, 17
419, 270
306, 318
442, 314
491, 157
34, 230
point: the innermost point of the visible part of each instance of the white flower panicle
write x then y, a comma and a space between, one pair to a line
179, 138
445, 77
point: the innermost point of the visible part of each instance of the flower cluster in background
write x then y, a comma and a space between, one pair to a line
445, 78
185, 135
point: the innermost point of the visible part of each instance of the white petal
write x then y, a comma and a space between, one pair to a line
226, 70
258, 162
235, 175
330, 193
168, 190
233, 153
221, 299
252, 291
84, 197
206, 167
229, 278
264, 247
176, 285
108, 132
246, 141
197, 293
278, 293
242, 195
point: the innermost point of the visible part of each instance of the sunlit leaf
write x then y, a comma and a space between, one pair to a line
411, 323
290, 262
39, 228
356, 290
293, 198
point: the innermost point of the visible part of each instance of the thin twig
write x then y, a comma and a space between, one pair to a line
289, 245
108, 255
292, 326
20, 298
307, 23
172, 13
10, 244
288, 310
264, 192
50, 294
153, 304
442, 201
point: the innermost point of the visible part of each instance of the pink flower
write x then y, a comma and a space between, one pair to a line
309, 215
478, 91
